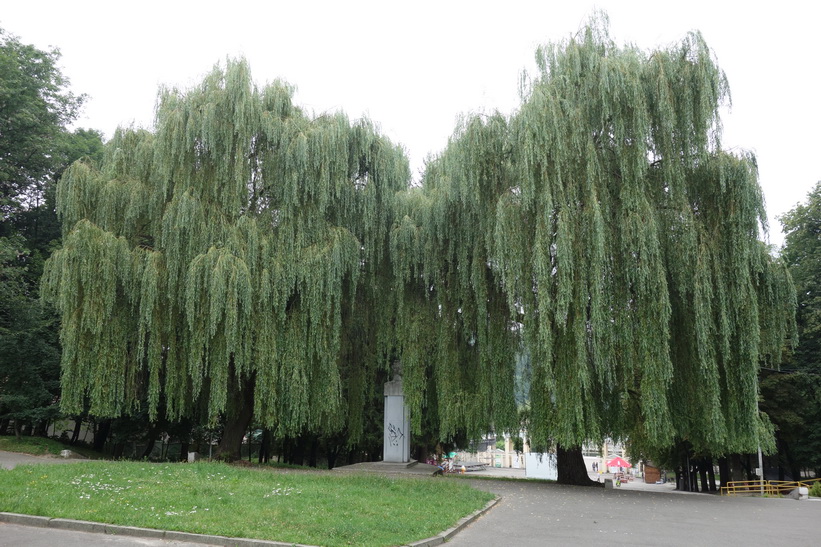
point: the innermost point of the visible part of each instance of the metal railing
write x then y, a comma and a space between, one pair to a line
769, 488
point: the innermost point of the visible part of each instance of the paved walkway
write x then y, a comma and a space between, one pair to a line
10, 459
533, 513
14, 535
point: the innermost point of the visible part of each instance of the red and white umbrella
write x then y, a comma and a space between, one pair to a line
618, 462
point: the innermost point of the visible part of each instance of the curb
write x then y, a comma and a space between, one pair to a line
133, 531
448, 534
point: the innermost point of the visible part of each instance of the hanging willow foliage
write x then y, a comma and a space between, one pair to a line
229, 245
604, 220
600, 229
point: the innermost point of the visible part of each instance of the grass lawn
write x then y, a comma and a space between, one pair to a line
319, 508
41, 445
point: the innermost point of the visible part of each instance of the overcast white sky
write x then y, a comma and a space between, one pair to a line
413, 67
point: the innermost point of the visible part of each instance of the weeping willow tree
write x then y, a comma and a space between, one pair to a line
605, 223
214, 263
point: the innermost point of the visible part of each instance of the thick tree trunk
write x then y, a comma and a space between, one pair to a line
237, 419
101, 435
724, 471
737, 468
333, 449
686, 482
313, 451
296, 451
702, 471
75, 435
265, 446
184, 451
149, 448
693, 477
571, 467
117, 451
711, 475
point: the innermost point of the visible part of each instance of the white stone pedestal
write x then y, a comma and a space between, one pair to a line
396, 440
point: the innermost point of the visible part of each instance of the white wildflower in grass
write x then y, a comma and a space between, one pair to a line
279, 491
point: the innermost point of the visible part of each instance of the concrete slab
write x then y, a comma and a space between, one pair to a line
390, 468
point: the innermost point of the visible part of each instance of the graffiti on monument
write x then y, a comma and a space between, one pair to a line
395, 434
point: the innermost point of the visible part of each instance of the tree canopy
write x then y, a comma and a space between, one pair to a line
802, 253
243, 246
35, 108
220, 251
35, 146
622, 240
792, 396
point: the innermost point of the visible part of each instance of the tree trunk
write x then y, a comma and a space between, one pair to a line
737, 469
41, 428
693, 477
75, 435
237, 419
265, 446
117, 451
313, 450
101, 435
296, 452
795, 471
333, 450
152, 439
184, 451
711, 475
571, 467
17, 433
702, 470
724, 471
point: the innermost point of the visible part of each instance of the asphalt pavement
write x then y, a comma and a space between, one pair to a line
533, 513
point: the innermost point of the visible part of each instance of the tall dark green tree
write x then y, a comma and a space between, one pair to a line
792, 396
213, 262
36, 106
802, 253
29, 355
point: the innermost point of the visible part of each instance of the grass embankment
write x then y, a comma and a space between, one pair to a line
40, 446
319, 508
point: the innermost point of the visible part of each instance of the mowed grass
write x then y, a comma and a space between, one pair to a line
40, 446
318, 508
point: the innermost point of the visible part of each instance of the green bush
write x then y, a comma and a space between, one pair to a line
815, 491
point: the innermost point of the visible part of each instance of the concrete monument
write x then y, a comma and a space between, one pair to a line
397, 436
396, 447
